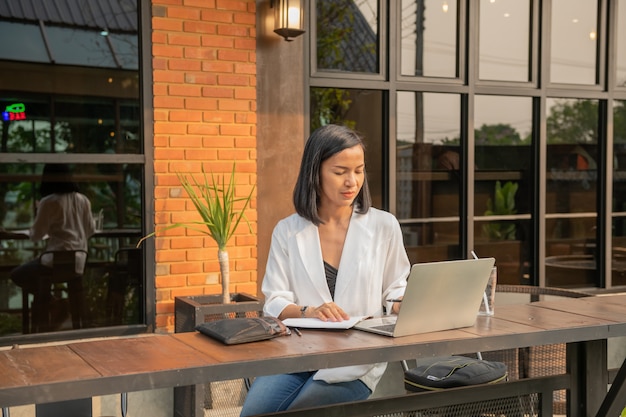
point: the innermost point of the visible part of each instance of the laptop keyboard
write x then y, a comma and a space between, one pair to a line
385, 327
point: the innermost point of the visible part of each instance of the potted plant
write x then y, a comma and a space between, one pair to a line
503, 203
502, 242
215, 202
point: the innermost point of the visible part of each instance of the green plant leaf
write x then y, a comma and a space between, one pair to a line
215, 202
502, 203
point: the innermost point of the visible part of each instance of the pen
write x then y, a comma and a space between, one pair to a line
295, 329
394, 301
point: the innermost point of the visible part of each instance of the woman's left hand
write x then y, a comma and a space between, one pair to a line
395, 307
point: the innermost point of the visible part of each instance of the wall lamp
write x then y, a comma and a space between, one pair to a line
288, 18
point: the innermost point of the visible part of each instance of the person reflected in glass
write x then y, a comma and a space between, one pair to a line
336, 257
64, 220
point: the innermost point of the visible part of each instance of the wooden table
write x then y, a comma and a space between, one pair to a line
85, 369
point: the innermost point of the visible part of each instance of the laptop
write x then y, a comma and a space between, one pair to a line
439, 296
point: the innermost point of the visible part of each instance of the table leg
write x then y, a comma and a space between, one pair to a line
610, 406
587, 366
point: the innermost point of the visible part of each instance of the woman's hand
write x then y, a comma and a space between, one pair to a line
395, 307
327, 312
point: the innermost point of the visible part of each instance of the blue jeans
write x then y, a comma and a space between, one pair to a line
273, 393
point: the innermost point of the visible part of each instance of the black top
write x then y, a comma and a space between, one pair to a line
331, 277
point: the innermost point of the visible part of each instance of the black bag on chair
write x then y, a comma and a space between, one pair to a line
441, 372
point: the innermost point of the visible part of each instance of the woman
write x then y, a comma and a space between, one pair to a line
336, 257
63, 218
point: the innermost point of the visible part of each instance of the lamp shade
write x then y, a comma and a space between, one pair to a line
288, 18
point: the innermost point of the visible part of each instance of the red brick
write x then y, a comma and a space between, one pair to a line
232, 30
165, 24
234, 105
167, 51
234, 80
185, 116
168, 77
201, 79
219, 117
217, 16
201, 129
184, 13
217, 42
184, 39
200, 27
220, 92
184, 65
234, 5
232, 55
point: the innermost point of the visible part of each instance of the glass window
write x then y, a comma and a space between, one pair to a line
26, 123
359, 110
428, 169
429, 38
80, 124
22, 42
348, 36
83, 101
125, 49
503, 186
432, 119
504, 40
574, 41
621, 43
619, 193
571, 191
79, 47
110, 294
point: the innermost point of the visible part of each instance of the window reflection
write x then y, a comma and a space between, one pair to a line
359, 110
79, 47
68, 45
113, 190
621, 44
347, 35
429, 38
71, 124
574, 41
619, 194
571, 189
22, 42
428, 169
73, 88
503, 152
504, 40
503, 185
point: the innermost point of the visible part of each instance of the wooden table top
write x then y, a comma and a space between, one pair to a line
107, 366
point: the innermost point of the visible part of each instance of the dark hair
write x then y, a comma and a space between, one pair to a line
57, 179
323, 143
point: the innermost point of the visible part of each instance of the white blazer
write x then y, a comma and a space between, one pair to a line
374, 267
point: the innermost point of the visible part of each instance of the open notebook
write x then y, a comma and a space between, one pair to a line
439, 296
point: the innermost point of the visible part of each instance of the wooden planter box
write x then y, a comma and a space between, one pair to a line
193, 310
191, 401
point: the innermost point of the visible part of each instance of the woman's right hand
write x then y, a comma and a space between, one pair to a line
327, 312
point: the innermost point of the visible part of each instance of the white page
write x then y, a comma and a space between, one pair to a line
320, 324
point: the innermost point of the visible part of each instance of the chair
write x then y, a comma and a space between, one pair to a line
126, 273
529, 362
537, 361
67, 268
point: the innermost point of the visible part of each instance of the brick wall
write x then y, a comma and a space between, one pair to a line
204, 69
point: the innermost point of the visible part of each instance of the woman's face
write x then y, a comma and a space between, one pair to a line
341, 177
